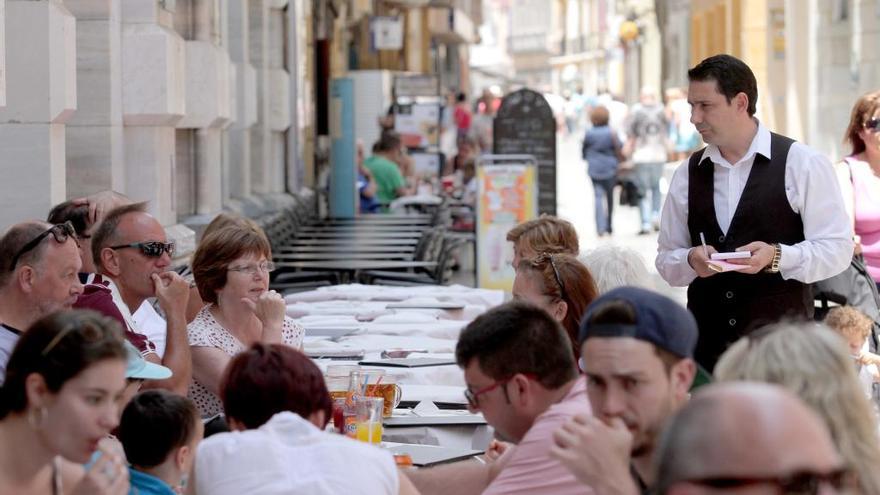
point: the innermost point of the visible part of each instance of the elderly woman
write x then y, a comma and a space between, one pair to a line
231, 268
813, 362
278, 406
559, 284
859, 176
59, 400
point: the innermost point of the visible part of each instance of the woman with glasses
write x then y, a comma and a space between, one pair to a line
813, 362
560, 285
58, 403
859, 175
231, 269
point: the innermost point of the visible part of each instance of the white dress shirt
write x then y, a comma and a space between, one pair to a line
289, 455
812, 191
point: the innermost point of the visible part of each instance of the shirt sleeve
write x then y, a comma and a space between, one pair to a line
397, 180
812, 188
674, 242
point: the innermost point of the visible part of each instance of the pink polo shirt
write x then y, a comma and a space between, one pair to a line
530, 469
867, 213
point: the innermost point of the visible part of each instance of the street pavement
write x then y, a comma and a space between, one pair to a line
575, 204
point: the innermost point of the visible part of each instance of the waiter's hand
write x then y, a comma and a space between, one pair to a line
698, 259
762, 256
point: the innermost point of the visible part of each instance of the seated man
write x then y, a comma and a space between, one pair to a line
637, 350
85, 214
744, 436
383, 165
132, 258
521, 374
39, 263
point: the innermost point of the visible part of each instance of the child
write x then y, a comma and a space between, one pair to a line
855, 327
160, 432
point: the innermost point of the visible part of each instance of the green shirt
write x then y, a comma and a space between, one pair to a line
387, 176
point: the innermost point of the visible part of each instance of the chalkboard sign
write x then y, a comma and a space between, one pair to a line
525, 124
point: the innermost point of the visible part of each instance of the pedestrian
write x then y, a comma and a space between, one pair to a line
755, 192
462, 116
602, 151
648, 130
859, 175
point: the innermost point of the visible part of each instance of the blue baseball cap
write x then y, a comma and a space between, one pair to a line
659, 320
139, 368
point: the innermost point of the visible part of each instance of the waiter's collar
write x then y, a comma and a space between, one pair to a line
760, 145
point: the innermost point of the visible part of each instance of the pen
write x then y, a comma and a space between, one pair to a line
703, 242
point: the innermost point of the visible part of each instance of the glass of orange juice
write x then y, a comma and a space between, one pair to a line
368, 419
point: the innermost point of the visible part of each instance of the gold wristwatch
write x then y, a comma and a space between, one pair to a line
773, 267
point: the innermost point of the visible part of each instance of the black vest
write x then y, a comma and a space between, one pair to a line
730, 305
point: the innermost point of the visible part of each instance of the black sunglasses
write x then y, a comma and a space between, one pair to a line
797, 483
873, 124
61, 232
152, 249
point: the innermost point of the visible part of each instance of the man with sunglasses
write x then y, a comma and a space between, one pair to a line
39, 263
520, 373
132, 258
751, 439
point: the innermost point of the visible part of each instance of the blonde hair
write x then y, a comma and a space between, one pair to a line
546, 234
812, 361
849, 322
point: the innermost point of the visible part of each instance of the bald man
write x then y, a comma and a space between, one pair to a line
748, 438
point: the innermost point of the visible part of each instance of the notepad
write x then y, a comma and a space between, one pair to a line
720, 266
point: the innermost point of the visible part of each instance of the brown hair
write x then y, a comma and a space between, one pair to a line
599, 116
575, 286
229, 219
107, 232
220, 248
546, 234
862, 111
849, 322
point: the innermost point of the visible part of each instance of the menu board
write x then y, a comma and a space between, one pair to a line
525, 125
507, 197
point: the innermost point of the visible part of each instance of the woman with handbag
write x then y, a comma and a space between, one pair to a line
859, 176
602, 151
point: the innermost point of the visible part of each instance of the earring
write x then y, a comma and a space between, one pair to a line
38, 422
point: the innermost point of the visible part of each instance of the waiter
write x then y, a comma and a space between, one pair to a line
752, 191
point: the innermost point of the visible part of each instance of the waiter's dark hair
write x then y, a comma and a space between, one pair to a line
518, 337
732, 76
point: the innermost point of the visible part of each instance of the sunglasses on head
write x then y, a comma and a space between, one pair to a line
873, 124
152, 249
61, 232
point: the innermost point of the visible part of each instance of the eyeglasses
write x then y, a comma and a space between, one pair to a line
797, 483
61, 232
873, 125
544, 257
473, 398
152, 249
266, 266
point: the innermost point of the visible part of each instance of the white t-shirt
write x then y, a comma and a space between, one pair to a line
149, 323
289, 455
8, 339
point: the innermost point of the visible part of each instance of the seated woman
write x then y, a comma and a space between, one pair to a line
59, 401
231, 268
160, 432
545, 234
813, 362
278, 406
561, 285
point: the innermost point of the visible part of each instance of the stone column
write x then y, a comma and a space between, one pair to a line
279, 97
258, 41
238, 158
2, 53
153, 81
207, 104
41, 98
95, 148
